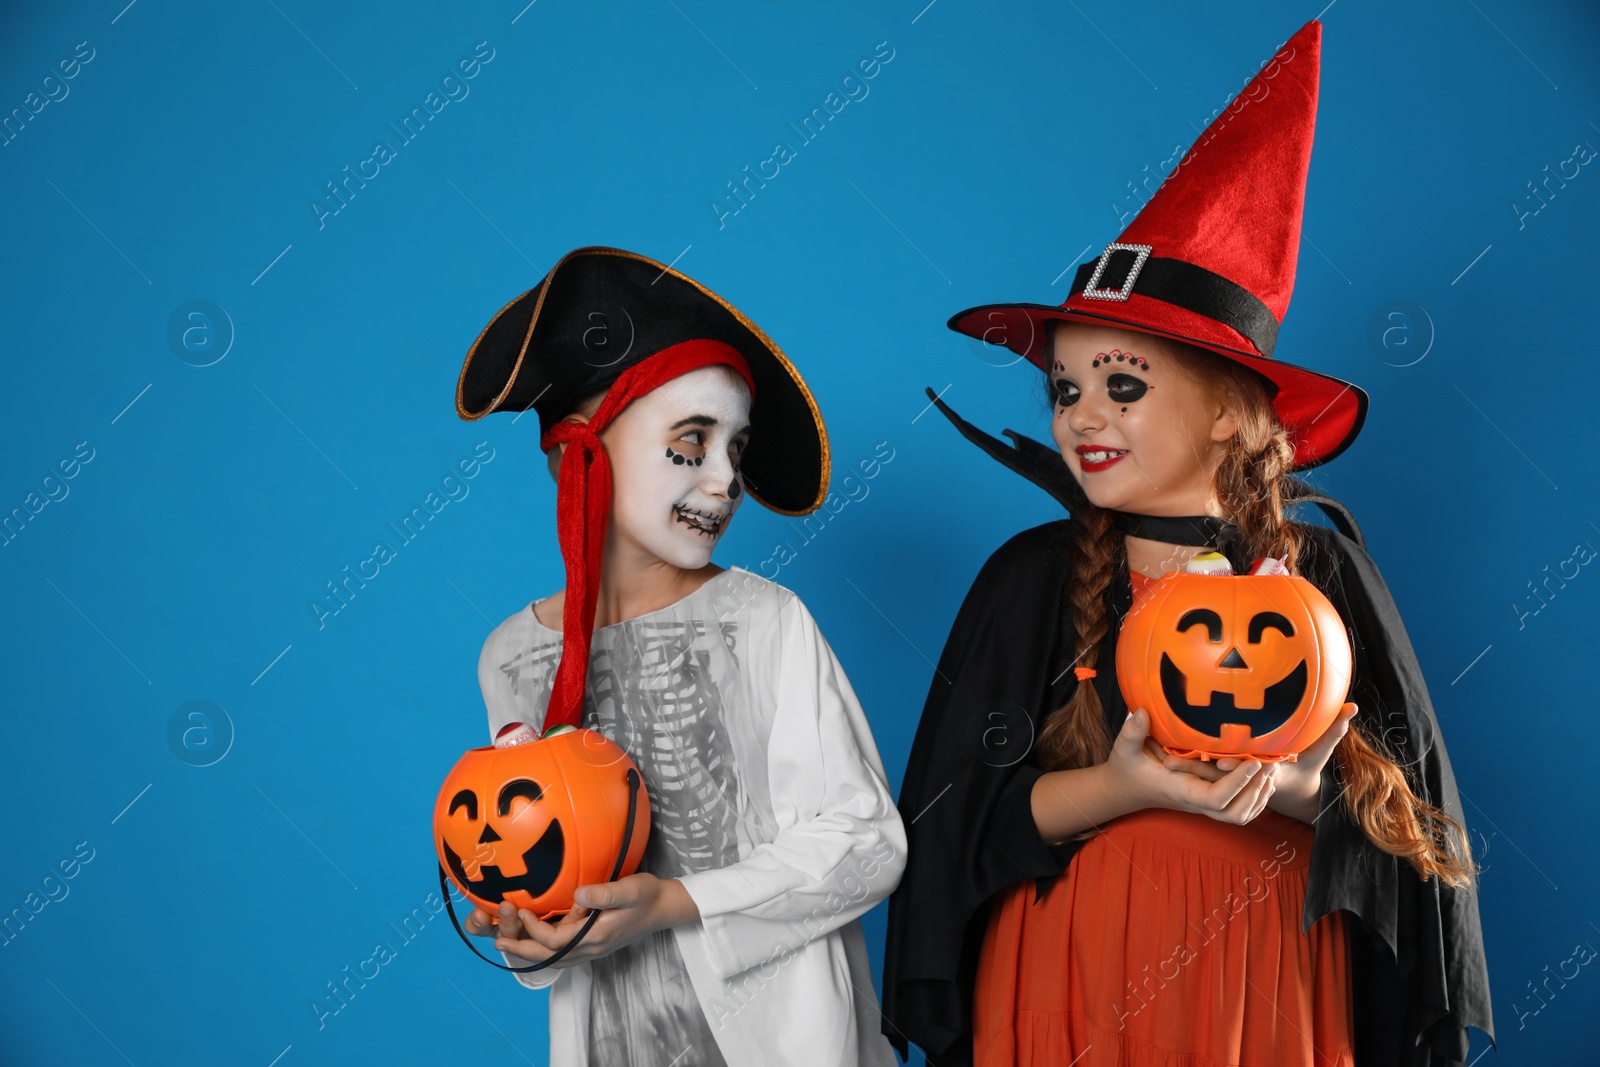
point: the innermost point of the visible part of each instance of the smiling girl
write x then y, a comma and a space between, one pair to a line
772, 828
1075, 894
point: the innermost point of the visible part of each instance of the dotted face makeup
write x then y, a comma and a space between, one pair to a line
1120, 356
680, 459
735, 487
1122, 388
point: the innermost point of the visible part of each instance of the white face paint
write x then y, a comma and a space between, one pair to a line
675, 467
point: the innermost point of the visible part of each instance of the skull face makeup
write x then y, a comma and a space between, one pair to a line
675, 467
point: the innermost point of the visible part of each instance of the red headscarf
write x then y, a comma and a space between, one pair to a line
583, 504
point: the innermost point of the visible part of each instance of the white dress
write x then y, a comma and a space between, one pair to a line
768, 801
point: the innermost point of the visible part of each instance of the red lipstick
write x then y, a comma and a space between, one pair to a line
1112, 455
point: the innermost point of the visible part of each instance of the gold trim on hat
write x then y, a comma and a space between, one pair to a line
760, 335
516, 368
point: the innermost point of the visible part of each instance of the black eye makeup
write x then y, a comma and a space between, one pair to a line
1065, 392
1125, 388
1121, 388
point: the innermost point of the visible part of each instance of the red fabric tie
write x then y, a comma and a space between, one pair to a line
583, 505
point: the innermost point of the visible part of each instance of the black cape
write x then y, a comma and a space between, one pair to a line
1416, 949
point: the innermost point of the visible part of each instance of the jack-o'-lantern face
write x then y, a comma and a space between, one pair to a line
517, 822
532, 823
1245, 666
1260, 691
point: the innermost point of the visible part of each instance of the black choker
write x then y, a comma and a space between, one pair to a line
1201, 531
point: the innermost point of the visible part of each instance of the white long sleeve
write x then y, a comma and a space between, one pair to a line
533, 979
840, 846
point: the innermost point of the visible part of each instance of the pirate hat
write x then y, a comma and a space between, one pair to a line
1210, 260
602, 310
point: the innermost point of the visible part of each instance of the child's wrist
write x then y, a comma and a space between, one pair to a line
1298, 805
1120, 794
675, 906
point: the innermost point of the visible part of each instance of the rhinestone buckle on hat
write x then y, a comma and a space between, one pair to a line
1091, 292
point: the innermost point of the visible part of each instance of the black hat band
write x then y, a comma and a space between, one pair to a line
1125, 269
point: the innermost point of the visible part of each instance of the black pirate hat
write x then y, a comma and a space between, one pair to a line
602, 310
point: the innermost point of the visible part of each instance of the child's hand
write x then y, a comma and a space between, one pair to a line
483, 923
1237, 796
1298, 782
630, 908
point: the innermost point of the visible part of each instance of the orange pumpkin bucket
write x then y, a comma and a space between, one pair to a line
1251, 666
533, 822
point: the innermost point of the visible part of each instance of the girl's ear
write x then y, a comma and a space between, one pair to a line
1226, 421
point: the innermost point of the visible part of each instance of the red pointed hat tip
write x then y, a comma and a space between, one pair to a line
1234, 202
1211, 257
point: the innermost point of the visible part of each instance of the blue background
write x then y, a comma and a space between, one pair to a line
995, 148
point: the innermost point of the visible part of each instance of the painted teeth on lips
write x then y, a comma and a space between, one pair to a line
702, 521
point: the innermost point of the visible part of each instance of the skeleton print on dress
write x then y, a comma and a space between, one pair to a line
732, 685
680, 744
657, 697
643, 1009
655, 688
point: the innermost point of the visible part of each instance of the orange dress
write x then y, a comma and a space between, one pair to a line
1171, 940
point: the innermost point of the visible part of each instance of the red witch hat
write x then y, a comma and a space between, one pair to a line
1210, 260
